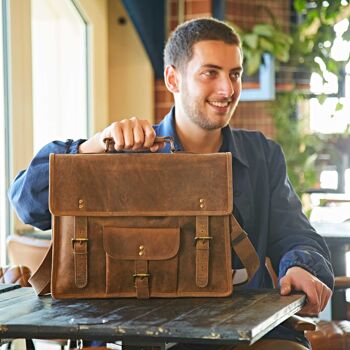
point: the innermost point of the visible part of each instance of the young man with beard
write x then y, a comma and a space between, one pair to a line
203, 71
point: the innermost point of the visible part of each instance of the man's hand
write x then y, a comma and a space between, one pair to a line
127, 134
317, 293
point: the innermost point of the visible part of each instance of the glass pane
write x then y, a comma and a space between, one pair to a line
329, 179
324, 118
4, 217
59, 49
347, 181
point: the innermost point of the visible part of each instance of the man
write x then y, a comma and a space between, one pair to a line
203, 70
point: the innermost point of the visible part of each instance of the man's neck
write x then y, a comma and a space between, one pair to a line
197, 140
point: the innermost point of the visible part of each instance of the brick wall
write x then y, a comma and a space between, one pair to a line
249, 115
192, 9
255, 115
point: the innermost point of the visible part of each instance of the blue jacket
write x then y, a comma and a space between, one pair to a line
265, 204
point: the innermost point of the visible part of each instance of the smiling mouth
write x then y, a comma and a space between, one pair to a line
221, 104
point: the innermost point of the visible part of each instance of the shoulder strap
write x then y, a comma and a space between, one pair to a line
246, 252
41, 278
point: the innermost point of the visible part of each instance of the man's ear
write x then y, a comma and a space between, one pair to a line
171, 78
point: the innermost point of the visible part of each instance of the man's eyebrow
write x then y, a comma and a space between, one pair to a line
214, 66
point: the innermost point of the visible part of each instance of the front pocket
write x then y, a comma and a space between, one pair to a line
155, 249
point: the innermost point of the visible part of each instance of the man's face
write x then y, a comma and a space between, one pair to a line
210, 84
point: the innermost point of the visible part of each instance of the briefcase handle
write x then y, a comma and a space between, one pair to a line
109, 142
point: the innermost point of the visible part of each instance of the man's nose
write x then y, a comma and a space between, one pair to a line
226, 87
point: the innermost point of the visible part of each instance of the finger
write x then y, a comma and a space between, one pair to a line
285, 285
161, 145
138, 135
154, 147
127, 133
312, 305
117, 135
149, 133
305, 311
327, 293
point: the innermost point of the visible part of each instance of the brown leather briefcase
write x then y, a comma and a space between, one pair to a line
142, 225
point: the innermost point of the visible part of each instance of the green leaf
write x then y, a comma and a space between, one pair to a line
339, 106
283, 38
281, 54
332, 66
253, 64
300, 5
322, 98
346, 35
251, 40
264, 30
266, 45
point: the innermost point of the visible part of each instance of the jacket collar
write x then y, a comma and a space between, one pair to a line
167, 128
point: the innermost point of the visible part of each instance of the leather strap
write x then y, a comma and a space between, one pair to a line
243, 248
141, 278
41, 278
202, 251
80, 251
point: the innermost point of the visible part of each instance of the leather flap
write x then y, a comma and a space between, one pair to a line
141, 243
140, 184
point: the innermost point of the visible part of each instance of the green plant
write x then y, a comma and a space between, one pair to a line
300, 148
314, 36
309, 44
263, 38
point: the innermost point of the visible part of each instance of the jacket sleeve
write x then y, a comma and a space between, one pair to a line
292, 239
28, 193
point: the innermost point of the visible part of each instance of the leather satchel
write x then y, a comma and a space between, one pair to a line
142, 225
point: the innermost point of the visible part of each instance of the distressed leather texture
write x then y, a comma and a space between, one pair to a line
143, 225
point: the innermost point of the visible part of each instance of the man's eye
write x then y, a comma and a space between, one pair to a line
209, 73
236, 75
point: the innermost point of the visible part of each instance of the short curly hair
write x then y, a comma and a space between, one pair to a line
178, 49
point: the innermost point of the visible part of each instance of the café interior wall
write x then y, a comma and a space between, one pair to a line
96, 13
131, 77
20, 90
20, 71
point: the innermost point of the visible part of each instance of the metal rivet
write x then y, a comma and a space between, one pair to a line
201, 200
141, 253
141, 247
81, 201
201, 205
81, 206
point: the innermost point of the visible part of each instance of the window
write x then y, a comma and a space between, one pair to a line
326, 118
4, 151
323, 117
60, 66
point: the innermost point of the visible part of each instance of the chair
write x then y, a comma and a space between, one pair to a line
26, 250
15, 275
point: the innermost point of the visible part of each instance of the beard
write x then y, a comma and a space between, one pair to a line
196, 112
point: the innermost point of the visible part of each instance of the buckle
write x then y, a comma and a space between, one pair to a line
141, 275
80, 240
203, 239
